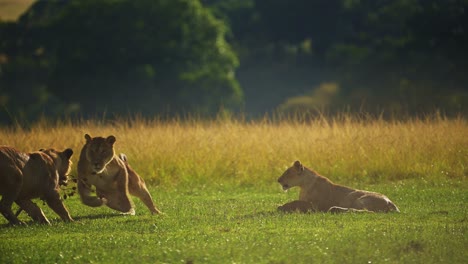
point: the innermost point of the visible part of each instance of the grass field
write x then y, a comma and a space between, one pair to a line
216, 183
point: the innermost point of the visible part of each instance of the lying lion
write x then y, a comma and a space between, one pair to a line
319, 194
25, 176
112, 177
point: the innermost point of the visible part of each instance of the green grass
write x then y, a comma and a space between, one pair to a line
216, 183
229, 224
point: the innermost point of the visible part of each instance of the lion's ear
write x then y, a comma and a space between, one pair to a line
298, 165
42, 150
87, 137
68, 153
111, 140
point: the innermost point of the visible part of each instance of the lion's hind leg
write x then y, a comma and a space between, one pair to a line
5, 208
137, 187
10, 189
375, 203
143, 194
337, 210
33, 211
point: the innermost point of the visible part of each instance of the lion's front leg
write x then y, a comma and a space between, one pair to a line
84, 190
297, 206
53, 200
120, 202
119, 198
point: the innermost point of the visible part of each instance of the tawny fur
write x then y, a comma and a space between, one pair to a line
112, 177
25, 176
320, 194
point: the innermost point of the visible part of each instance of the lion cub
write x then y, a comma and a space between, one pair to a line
320, 194
25, 176
112, 177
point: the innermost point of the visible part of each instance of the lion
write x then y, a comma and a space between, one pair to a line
25, 176
319, 194
111, 176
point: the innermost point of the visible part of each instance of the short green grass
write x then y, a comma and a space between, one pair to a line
232, 224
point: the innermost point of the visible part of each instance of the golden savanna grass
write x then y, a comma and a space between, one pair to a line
172, 153
10, 10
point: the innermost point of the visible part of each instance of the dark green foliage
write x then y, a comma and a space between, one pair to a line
172, 57
127, 56
403, 56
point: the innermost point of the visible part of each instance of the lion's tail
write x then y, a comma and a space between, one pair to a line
123, 157
392, 207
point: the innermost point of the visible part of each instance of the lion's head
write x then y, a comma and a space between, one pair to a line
99, 152
293, 176
61, 161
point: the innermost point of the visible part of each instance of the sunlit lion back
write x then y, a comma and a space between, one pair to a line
317, 193
99, 152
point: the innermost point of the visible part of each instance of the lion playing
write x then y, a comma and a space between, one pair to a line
25, 176
112, 177
320, 194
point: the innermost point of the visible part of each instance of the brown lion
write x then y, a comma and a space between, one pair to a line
25, 176
319, 194
112, 177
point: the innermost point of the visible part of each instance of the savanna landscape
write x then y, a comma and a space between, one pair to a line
216, 182
211, 101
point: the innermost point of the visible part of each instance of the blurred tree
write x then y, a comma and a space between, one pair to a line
281, 45
317, 101
123, 56
23, 77
402, 56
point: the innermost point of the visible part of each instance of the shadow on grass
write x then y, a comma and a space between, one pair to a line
97, 216
54, 221
273, 213
260, 214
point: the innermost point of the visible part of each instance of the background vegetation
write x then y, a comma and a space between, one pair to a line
166, 58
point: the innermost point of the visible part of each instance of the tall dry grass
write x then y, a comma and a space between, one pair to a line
345, 149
